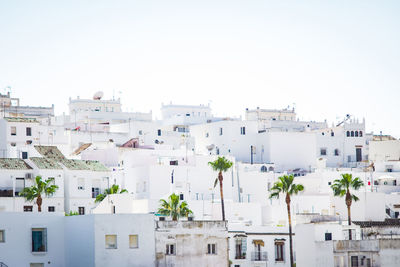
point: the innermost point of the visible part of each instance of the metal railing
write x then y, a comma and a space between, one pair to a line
259, 256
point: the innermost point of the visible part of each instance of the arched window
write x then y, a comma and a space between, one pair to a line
348, 133
356, 133
352, 134
264, 169
360, 134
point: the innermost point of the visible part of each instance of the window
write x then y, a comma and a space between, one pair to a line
354, 261
180, 196
356, 134
159, 132
28, 208
243, 130
81, 210
133, 241
187, 114
170, 249
347, 133
207, 135
140, 132
24, 155
279, 250
360, 134
13, 130
36, 265
352, 133
220, 131
332, 134
328, 236
111, 241
323, 152
2, 237
240, 248
51, 208
336, 152
28, 131
212, 249
217, 151
39, 240
95, 192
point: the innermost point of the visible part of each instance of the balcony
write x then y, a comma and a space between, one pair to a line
240, 256
259, 256
6, 192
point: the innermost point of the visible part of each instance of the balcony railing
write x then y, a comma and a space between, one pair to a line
6, 193
240, 256
259, 256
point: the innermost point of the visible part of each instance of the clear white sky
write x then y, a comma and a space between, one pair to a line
330, 58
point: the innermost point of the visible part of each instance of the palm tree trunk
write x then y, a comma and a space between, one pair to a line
39, 203
349, 220
348, 204
290, 230
220, 178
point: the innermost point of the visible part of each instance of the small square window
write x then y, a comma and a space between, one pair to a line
133, 241
2, 236
39, 240
328, 236
170, 249
28, 208
212, 249
111, 241
323, 151
51, 208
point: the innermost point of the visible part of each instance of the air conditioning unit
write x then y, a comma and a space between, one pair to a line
28, 175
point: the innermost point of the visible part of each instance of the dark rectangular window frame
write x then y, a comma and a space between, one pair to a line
28, 131
28, 208
51, 209
81, 210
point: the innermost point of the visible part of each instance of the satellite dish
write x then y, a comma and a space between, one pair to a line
98, 95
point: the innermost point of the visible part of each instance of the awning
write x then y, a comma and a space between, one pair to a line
258, 242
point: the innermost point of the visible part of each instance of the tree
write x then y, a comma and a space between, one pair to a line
110, 191
286, 186
174, 207
341, 187
221, 165
40, 187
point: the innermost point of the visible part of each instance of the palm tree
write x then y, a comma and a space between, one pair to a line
48, 188
342, 187
110, 191
174, 208
286, 186
221, 165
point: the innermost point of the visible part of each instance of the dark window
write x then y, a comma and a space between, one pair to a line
332, 134
173, 162
220, 131
2, 237
159, 132
323, 133
356, 133
187, 115
243, 130
170, 249
212, 249
28, 131
354, 261
323, 151
352, 133
358, 154
39, 240
81, 210
95, 192
13, 130
180, 196
336, 152
347, 133
328, 236
51, 209
28, 208
279, 248
360, 134
24, 155
217, 151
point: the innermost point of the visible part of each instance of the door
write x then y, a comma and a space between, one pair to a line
358, 154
